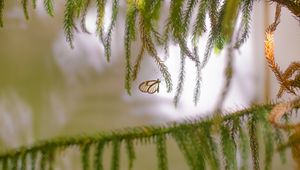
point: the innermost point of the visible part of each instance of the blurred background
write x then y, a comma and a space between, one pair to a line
48, 89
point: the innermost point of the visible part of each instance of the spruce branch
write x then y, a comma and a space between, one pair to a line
69, 25
107, 41
115, 159
228, 78
180, 28
247, 6
99, 155
243, 144
161, 149
25, 8
1, 12
85, 153
292, 5
199, 27
228, 147
252, 130
197, 89
150, 47
48, 5
34, 4
195, 138
83, 16
180, 79
130, 153
283, 78
129, 37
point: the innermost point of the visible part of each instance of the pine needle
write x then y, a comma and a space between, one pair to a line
268, 138
99, 155
15, 162
214, 14
44, 159
199, 27
161, 150
211, 146
228, 148
247, 6
130, 153
243, 145
25, 8
228, 74
115, 159
5, 163
229, 19
48, 5
100, 14
1, 12
107, 44
180, 79
197, 89
181, 140
83, 16
129, 36
33, 156
23, 161
85, 153
34, 4
69, 22
252, 128
149, 45
279, 142
138, 62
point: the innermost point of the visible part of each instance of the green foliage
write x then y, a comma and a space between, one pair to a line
23, 161
130, 153
33, 3
85, 153
230, 18
252, 129
247, 6
25, 8
268, 139
48, 4
181, 79
99, 155
69, 21
115, 159
228, 147
243, 144
142, 17
33, 155
196, 139
129, 37
84, 13
107, 40
1, 12
161, 149
198, 78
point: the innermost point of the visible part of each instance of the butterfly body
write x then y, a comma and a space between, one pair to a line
150, 86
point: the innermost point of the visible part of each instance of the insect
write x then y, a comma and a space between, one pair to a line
150, 86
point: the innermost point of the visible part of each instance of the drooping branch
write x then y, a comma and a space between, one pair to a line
195, 138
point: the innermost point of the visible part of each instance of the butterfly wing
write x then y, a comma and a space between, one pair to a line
153, 88
144, 87
150, 86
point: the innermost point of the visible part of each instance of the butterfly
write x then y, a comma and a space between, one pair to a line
150, 86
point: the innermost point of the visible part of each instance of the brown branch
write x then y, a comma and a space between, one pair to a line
292, 5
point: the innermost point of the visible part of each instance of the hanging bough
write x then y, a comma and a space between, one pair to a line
286, 84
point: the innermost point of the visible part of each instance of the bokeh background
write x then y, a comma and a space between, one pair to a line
48, 89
